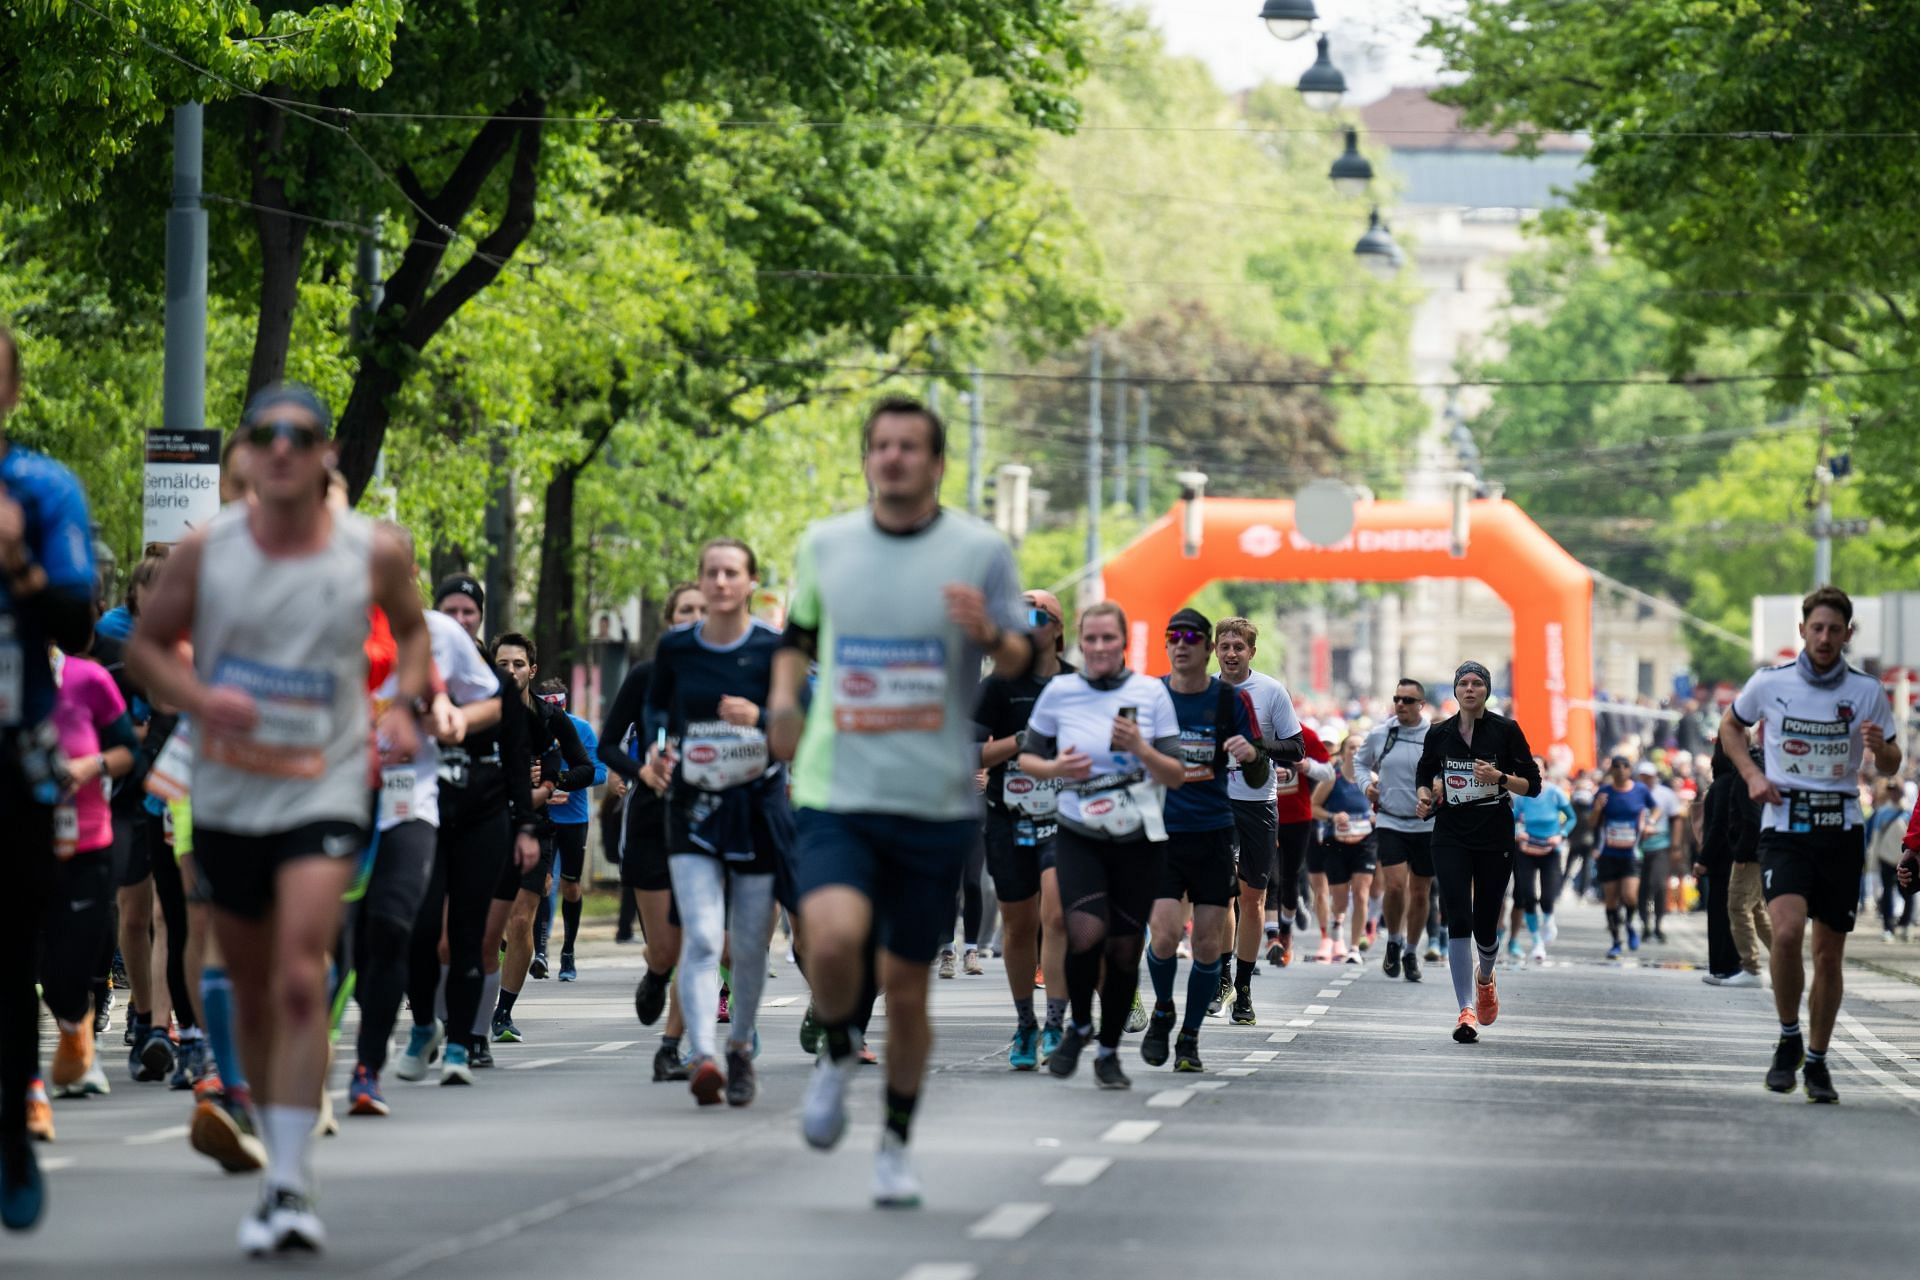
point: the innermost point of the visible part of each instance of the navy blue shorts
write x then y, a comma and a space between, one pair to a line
908, 868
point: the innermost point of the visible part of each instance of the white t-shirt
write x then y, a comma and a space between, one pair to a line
1078, 716
1273, 719
411, 791
1810, 737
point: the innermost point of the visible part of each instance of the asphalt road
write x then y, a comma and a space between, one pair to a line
1612, 1123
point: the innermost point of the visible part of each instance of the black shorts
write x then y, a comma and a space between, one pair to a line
570, 849
1199, 868
1257, 824
1015, 867
1609, 867
1295, 838
908, 868
239, 871
1415, 848
513, 881
135, 836
1316, 853
1823, 867
1112, 881
643, 849
1345, 861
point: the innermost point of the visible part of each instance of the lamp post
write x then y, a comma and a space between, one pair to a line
1322, 85
1376, 250
1288, 19
1352, 172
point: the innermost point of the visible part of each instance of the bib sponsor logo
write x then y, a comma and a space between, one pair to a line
1019, 785
702, 755
1097, 808
1795, 747
858, 684
1815, 728
1455, 781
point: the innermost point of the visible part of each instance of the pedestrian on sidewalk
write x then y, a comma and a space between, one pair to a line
1746, 912
1714, 868
1886, 839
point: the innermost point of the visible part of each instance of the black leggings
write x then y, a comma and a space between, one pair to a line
1653, 889
23, 913
383, 922
1283, 890
1107, 892
1891, 894
79, 915
973, 903
1536, 881
466, 865
1473, 885
171, 892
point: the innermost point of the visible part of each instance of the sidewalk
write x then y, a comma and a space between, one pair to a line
1889, 959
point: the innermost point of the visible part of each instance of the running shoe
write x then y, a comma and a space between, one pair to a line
328, 1125
1432, 954
1373, 929
190, 1064
1513, 948
1136, 1016
1275, 951
867, 1055
39, 1113
810, 1030
1550, 928
1186, 1053
1108, 1072
667, 1065
480, 1055
1539, 953
1184, 949
23, 1193
1153, 1045
1660, 936
152, 1057
568, 973
946, 963
1217, 1003
504, 1030
455, 1067
1023, 1051
294, 1225
1741, 978
129, 1030
1300, 919
538, 969
1339, 953
72, 1057
1226, 982
724, 1014
1820, 1083
363, 1094
91, 1084
1050, 1036
102, 1010
1410, 966
1633, 938
1243, 1015
1613, 952
1286, 950
1065, 1058
1324, 952
1788, 1054
1486, 1001
1390, 963
650, 997
256, 1229
741, 1085
894, 1186
823, 1112
423, 1049
707, 1082
970, 963
1354, 958
1039, 978
223, 1130
1467, 1029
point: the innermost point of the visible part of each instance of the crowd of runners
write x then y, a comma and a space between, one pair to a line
274, 784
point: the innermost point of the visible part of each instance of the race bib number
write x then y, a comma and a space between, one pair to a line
396, 793
889, 686
1035, 797
1124, 811
1358, 829
716, 755
1815, 748
13, 676
1197, 749
1286, 781
1461, 787
296, 720
1809, 811
171, 775
1621, 835
66, 831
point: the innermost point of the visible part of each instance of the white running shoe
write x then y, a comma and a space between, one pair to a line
1539, 953
1552, 930
295, 1226
1741, 979
413, 1065
256, 1229
90, 1085
823, 1113
454, 1068
894, 1186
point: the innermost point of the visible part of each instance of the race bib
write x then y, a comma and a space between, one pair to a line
1358, 829
296, 720
1461, 788
1286, 781
889, 686
1621, 835
1809, 811
1815, 748
1035, 797
1197, 749
66, 831
716, 755
13, 675
396, 793
171, 775
1121, 811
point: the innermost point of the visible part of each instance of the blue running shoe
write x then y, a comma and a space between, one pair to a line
1050, 1035
453, 1067
23, 1193
1024, 1053
363, 1094
567, 972
1613, 952
1633, 938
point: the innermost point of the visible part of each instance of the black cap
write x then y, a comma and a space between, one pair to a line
460, 584
1620, 762
1191, 618
298, 394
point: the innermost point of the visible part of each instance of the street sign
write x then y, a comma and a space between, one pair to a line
182, 483
1855, 528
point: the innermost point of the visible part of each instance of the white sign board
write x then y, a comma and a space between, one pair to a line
182, 483
1776, 629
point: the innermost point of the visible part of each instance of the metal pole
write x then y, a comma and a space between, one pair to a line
1120, 438
183, 400
372, 291
1823, 516
976, 447
1094, 454
1140, 495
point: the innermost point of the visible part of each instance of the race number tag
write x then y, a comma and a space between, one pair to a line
171, 775
1035, 797
1461, 787
1358, 829
889, 686
1816, 811
397, 783
1621, 835
716, 755
1815, 748
13, 673
66, 831
1122, 809
1197, 749
296, 720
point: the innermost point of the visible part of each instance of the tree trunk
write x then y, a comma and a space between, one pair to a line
447, 561
555, 629
283, 242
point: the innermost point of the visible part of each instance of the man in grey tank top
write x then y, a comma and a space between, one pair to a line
273, 595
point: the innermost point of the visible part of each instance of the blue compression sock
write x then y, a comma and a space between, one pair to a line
1533, 921
216, 1001
1162, 973
1203, 988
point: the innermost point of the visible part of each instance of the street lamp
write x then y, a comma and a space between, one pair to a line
1288, 19
1351, 172
1376, 250
1193, 492
1322, 84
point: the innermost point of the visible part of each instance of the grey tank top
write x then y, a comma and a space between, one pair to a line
292, 632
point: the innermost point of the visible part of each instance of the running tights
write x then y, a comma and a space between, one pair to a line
1653, 891
466, 865
78, 921
385, 919
1536, 881
1472, 884
1290, 851
1107, 890
23, 911
700, 884
172, 894
973, 905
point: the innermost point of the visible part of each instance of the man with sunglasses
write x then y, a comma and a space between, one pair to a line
1020, 825
1384, 767
1216, 726
274, 596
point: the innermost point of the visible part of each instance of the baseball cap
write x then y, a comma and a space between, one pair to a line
1190, 619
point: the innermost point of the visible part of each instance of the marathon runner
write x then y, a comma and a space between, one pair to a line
1621, 814
1021, 823
1580, 842
1112, 738
1818, 719
276, 691
1472, 765
1350, 855
1384, 767
1215, 726
1545, 821
1657, 846
1277, 731
569, 816
898, 603
729, 827
1296, 838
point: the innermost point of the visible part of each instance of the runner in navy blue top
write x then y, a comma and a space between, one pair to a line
1621, 813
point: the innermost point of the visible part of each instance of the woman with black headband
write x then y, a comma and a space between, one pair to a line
1471, 766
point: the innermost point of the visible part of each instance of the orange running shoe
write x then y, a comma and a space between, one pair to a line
1486, 1002
73, 1056
1467, 1029
1039, 978
39, 1113
1324, 952
1286, 950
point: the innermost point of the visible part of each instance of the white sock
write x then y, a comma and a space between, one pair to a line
489, 997
287, 1131
1397, 939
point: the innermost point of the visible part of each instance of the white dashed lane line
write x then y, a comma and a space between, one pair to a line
1131, 1131
1171, 1098
941, 1271
1077, 1171
1011, 1221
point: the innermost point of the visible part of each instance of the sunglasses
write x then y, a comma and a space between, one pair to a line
1400, 701
1038, 617
261, 435
1186, 637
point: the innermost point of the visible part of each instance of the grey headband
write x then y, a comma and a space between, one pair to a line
1472, 668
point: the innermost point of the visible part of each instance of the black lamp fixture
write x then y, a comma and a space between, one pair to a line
1377, 251
1322, 84
1351, 172
1288, 19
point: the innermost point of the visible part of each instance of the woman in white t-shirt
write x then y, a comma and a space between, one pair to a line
1112, 737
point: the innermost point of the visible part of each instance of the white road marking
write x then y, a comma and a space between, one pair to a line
1077, 1171
1131, 1132
1011, 1221
1171, 1098
1315, 1010
1864, 1064
171, 1133
1236, 1071
613, 1046
1283, 1037
1343, 982
54, 1164
1206, 1086
537, 1062
941, 1271
1264, 1055
1330, 993
782, 1002
1298, 1022
1898, 1056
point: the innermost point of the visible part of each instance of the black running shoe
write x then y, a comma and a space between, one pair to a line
1410, 965
102, 1009
1186, 1053
1819, 1083
810, 1032
740, 1080
1067, 1057
665, 1059
538, 969
1391, 965
1106, 1070
650, 997
1273, 951
479, 1054
1787, 1057
1153, 1045
1243, 1015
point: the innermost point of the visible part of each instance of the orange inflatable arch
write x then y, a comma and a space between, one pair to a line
1549, 592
